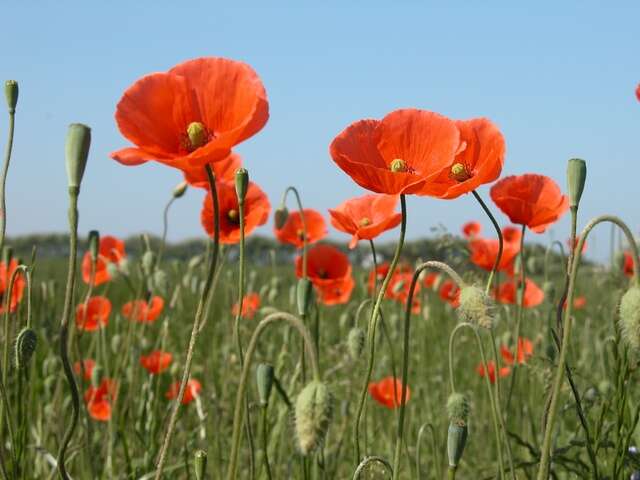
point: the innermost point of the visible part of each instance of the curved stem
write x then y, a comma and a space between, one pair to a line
304, 226
165, 229
496, 263
3, 179
434, 452
373, 323
206, 292
238, 415
363, 464
547, 254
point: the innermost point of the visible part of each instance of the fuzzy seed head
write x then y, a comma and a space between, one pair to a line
355, 342
26, 343
630, 317
458, 409
313, 413
476, 307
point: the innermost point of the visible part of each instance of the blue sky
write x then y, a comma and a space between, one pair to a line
558, 78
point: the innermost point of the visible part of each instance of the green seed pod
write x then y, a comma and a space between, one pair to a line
355, 342
456, 441
242, 183
264, 377
26, 343
7, 255
576, 177
280, 217
304, 295
273, 294
549, 290
96, 376
180, 189
458, 409
630, 317
313, 412
11, 93
77, 152
94, 244
161, 281
116, 343
200, 464
476, 307
195, 262
148, 262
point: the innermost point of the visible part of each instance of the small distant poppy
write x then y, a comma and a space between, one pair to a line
533, 294
578, 303
191, 391
388, 392
430, 279
156, 362
224, 171
88, 364
18, 286
525, 351
471, 229
484, 252
94, 314
491, 368
292, 231
381, 272
111, 250
250, 305
400, 285
256, 212
450, 293
98, 399
627, 265
532, 200
325, 264
511, 234
141, 311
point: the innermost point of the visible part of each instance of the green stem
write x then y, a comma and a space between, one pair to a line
496, 262
520, 312
165, 229
3, 179
265, 441
304, 225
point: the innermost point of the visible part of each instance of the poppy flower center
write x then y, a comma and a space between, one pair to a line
398, 165
232, 215
460, 172
300, 234
197, 134
365, 222
322, 273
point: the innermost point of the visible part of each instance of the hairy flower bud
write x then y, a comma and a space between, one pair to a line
148, 262
475, 306
355, 342
313, 412
77, 152
264, 377
280, 217
630, 317
200, 464
458, 409
304, 294
180, 189
94, 244
26, 343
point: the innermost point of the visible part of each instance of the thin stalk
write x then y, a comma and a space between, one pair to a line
304, 225
265, 441
3, 178
519, 314
165, 229
496, 262
434, 449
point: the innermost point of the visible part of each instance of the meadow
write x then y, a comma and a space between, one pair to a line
474, 354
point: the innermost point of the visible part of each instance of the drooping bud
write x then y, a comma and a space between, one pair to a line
458, 410
77, 152
264, 377
476, 307
94, 244
242, 183
280, 217
198, 135
630, 317
355, 342
180, 189
200, 464
313, 412
11, 93
26, 343
398, 165
576, 177
304, 294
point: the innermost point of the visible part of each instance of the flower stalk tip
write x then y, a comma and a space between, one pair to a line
11, 93
77, 152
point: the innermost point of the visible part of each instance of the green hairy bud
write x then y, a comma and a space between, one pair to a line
242, 183
630, 317
355, 342
200, 464
313, 412
77, 152
280, 217
576, 178
476, 307
11, 93
26, 343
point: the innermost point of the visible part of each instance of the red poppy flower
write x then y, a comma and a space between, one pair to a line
224, 171
325, 265
111, 250
93, 315
479, 161
578, 303
250, 305
525, 351
98, 399
388, 392
484, 251
18, 286
337, 292
380, 274
191, 115
627, 266
471, 229
431, 279
366, 217
638, 92
532, 200
511, 234
292, 231
141, 311
88, 364
256, 211
156, 362
190, 393
450, 293
533, 295
399, 286
402, 153
491, 368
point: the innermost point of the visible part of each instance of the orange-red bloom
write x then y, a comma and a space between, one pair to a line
627, 266
111, 250
156, 362
191, 115
578, 303
98, 399
533, 295
224, 171
190, 393
381, 272
256, 211
88, 364
431, 279
141, 311
399, 286
325, 264
525, 351
293, 233
471, 229
250, 305
484, 250
337, 292
388, 392
402, 153
532, 200
638, 92
93, 315
450, 293
18, 286
366, 217
491, 368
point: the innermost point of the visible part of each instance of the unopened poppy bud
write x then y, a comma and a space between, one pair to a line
77, 152
576, 177
476, 306
264, 377
313, 413
26, 343
355, 342
242, 183
161, 280
280, 217
198, 135
11, 93
94, 244
123, 266
180, 189
7, 255
456, 441
630, 317
148, 262
458, 409
96, 376
304, 294
200, 464
549, 290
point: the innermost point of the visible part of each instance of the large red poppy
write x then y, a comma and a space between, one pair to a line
491, 369
191, 115
94, 314
325, 265
191, 391
532, 200
525, 351
388, 392
533, 294
111, 250
156, 362
98, 399
292, 231
250, 305
638, 92
366, 217
142, 311
18, 286
256, 211
402, 153
224, 171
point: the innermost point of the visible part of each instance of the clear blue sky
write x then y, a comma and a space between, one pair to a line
557, 77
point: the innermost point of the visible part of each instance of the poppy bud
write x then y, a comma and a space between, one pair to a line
280, 217
26, 343
161, 280
476, 306
200, 464
630, 317
355, 342
273, 295
456, 441
304, 294
116, 343
7, 255
458, 409
96, 376
77, 151
264, 377
549, 290
576, 177
242, 183
180, 189
11, 92
313, 412
94, 244
123, 266
148, 262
